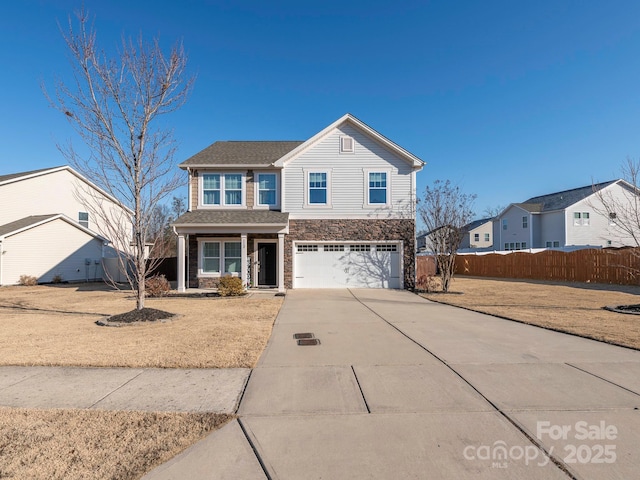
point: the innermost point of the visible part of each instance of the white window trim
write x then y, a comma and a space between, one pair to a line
256, 191
243, 183
366, 172
220, 240
306, 173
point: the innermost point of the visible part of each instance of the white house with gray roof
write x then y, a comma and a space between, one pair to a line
47, 229
569, 218
336, 210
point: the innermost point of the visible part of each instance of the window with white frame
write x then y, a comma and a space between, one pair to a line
220, 257
556, 244
83, 219
232, 257
476, 237
581, 219
525, 221
223, 189
267, 189
504, 223
377, 187
211, 257
487, 237
318, 188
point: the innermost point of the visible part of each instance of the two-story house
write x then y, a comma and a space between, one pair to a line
334, 211
563, 219
49, 230
478, 234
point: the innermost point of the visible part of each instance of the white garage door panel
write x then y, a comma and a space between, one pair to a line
325, 266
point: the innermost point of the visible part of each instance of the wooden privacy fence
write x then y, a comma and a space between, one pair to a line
620, 267
425, 266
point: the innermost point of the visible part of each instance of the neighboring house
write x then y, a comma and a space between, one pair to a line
47, 229
562, 219
334, 211
478, 234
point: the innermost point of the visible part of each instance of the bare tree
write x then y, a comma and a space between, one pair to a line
621, 206
445, 210
114, 105
491, 212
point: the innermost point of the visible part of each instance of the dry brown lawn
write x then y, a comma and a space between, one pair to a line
55, 325
568, 307
81, 444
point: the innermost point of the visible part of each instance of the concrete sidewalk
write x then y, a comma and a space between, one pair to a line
400, 387
168, 390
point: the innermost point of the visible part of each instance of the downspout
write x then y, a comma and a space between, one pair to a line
188, 192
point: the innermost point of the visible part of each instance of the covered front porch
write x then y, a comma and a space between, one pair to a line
243, 243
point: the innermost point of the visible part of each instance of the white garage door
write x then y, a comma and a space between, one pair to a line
343, 265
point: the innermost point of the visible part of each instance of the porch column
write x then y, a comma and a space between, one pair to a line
281, 262
243, 261
181, 263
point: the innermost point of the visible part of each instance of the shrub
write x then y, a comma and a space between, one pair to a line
157, 286
230, 286
28, 280
56, 279
427, 283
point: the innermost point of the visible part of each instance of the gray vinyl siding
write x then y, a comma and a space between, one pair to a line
552, 228
348, 182
514, 233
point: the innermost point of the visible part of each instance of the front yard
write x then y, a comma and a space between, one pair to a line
55, 325
567, 307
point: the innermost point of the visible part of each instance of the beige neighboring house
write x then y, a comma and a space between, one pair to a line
48, 230
478, 234
334, 211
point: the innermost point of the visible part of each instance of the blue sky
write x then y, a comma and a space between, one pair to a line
508, 99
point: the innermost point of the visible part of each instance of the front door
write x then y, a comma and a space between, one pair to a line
267, 264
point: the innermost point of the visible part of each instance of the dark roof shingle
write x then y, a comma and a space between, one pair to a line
232, 217
561, 200
241, 153
23, 223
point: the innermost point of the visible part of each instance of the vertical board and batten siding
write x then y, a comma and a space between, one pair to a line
51, 193
33, 252
347, 188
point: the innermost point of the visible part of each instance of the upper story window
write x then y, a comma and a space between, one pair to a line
83, 219
487, 237
267, 192
581, 219
224, 189
525, 222
504, 223
476, 237
378, 187
318, 188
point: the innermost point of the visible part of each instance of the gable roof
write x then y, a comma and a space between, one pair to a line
26, 223
20, 175
241, 153
561, 200
476, 223
414, 161
16, 177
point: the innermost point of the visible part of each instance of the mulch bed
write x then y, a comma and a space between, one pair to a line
136, 316
629, 309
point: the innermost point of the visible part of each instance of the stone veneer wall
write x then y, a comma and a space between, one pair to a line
352, 230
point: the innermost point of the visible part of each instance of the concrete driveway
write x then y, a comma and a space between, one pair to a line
400, 387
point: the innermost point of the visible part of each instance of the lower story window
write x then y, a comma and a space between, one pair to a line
221, 257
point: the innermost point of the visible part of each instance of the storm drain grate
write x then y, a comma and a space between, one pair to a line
298, 336
308, 341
